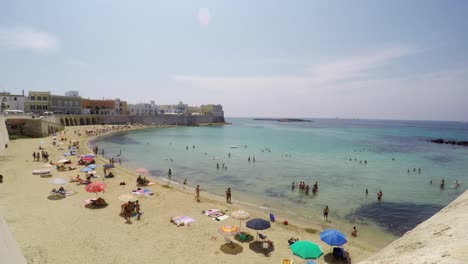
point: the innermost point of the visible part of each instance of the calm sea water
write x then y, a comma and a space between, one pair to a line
319, 151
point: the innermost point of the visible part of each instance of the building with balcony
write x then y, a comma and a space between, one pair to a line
37, 102
66, 104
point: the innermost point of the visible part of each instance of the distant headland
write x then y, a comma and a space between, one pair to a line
283, 119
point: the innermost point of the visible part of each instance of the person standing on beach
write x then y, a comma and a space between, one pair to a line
138, 209
379, 196
169, 172
197, 193
367, 192
228, 195
248, 159
292, 187
34, 156
325, 213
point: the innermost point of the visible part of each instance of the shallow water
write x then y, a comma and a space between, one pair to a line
319, 151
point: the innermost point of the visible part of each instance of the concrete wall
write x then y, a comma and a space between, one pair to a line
3, 134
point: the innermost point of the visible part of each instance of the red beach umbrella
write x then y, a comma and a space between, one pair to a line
96, 187
142, 171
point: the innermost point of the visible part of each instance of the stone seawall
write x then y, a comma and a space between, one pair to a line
32, 127
3, 134
184, 120
441, 239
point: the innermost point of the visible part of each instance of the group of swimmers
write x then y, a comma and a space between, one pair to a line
305, 188
365, 161
414, 170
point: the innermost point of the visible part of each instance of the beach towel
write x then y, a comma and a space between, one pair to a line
89, 201
182, 219
216, 214
221, 218
210, 211
145, 192
68, 193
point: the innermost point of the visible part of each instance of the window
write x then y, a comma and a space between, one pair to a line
32, 107
33, 98
44, 107
44, 98
59, 103
65, 104
15, 99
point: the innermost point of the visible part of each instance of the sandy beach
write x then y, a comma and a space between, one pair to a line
65, 231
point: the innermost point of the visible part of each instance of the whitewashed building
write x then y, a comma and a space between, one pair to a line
12, 101
143, 109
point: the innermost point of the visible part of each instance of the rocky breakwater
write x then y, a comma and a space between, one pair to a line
441, 239
451, 142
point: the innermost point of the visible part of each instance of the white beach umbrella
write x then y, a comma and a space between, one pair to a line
240, 215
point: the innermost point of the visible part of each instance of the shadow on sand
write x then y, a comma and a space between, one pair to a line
231, 250
54, 197
257, 247
329, 258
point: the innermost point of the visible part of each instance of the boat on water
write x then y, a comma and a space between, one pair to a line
233, 146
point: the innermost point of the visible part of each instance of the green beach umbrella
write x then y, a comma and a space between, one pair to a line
306, 249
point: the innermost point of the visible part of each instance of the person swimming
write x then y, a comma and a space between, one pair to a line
379, 196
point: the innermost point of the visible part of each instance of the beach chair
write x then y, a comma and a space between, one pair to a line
229, 242
287, 261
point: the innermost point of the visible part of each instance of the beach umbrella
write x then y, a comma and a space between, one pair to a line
240, 215
306, 249
229, 230
127, 198
57, 181
108, 166
95, 187
86, 169
333, 237
88, 159
92, 166
142, 171
258, 224
47, 165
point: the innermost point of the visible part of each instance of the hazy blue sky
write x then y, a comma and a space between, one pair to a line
365, 59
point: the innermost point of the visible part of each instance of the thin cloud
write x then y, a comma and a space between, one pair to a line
204, 16
352, 67
27, 38
75, 62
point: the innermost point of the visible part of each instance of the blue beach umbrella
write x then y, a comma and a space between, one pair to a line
333, 237
86, 169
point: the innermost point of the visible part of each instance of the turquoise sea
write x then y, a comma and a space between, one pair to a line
313, 151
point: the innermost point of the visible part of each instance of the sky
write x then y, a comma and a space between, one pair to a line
348, 59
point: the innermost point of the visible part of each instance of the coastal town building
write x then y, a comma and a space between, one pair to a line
37, 102
178, 109
143, 109
11, 101
212, 109
104, 107
67, 104
193, 110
